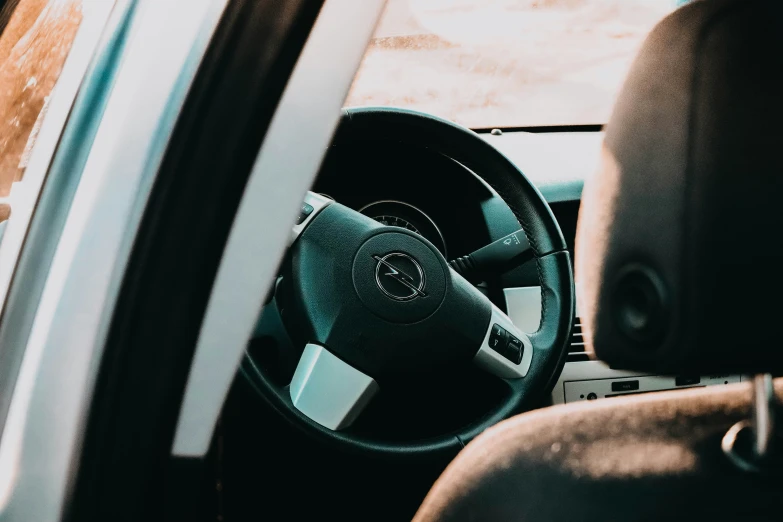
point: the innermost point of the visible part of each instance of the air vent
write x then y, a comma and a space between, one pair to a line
576, 350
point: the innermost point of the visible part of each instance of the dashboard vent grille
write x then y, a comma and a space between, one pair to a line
576, 350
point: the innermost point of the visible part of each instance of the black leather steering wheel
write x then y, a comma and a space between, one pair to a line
376, 302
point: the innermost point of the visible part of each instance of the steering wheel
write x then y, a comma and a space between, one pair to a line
378, 302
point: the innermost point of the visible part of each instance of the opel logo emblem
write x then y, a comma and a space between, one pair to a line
399, 276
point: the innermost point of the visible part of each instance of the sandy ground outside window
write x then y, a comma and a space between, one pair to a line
33, 49
505, 63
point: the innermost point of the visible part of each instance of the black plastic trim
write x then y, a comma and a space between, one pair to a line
544, 129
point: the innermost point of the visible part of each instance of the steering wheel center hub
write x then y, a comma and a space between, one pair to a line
399, 277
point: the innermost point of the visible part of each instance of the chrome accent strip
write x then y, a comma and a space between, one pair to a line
329, 391
763, 415
524, 307
287, 163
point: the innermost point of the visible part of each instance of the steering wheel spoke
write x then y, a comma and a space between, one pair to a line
328, 390
313, 204
506, 351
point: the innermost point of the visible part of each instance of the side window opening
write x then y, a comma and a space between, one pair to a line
36, 38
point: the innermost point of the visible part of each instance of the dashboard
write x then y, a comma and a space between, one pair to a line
410, 187
447, 204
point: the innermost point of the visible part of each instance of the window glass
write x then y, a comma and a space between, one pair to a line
37, 91
505, 63
34, 43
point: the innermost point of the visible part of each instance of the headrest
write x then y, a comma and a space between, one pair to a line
679, 253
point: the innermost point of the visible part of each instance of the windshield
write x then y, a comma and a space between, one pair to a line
505, 63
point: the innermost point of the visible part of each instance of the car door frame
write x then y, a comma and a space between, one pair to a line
108, 363
80, 236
